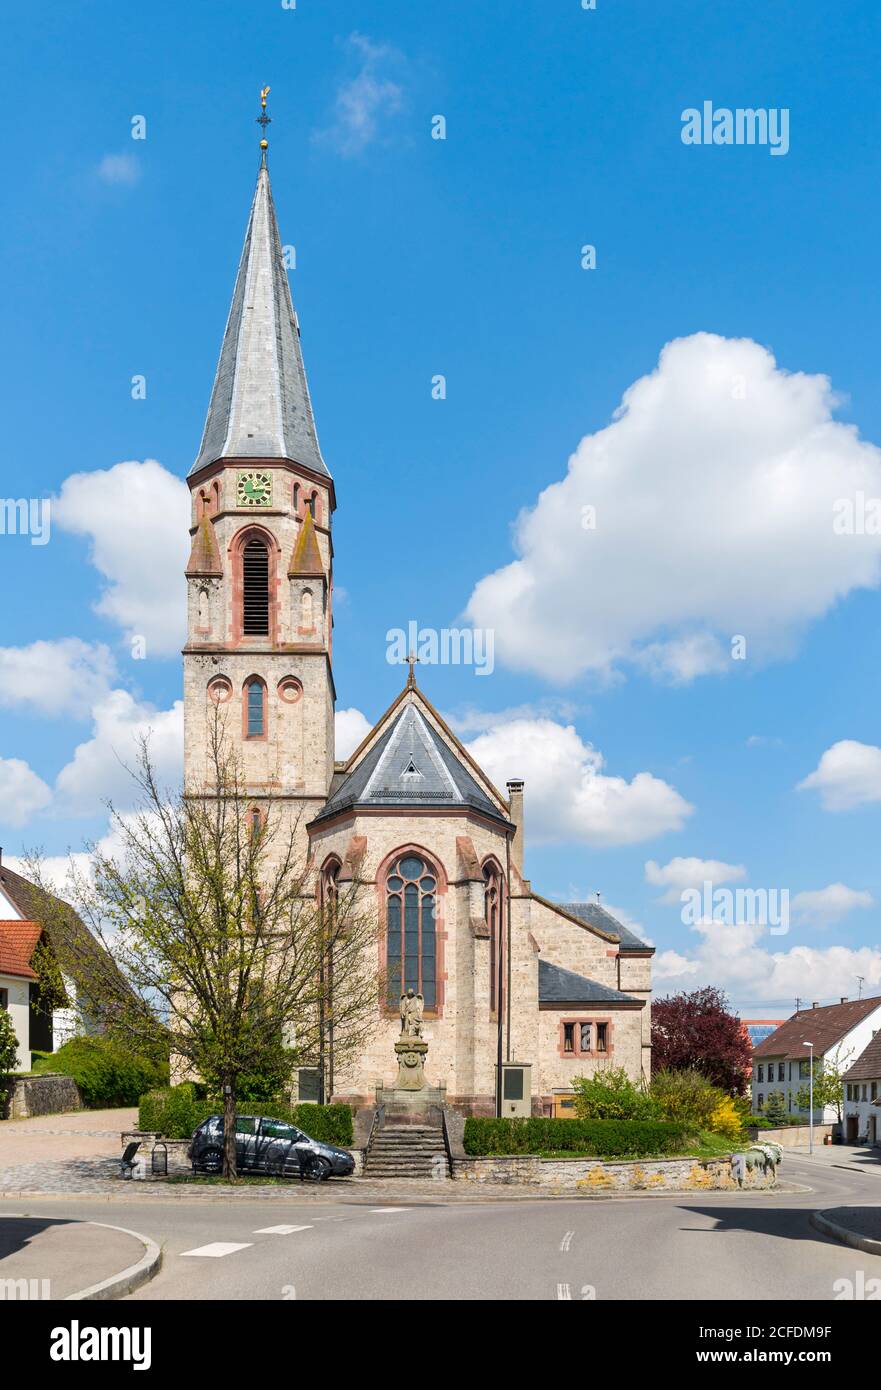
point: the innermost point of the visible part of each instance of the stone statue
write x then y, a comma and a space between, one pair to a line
412, 1005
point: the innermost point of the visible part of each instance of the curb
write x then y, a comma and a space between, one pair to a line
820, 1221
118, 1285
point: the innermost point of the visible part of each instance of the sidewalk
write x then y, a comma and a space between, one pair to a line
62, 1153
855, 1157
50, 1258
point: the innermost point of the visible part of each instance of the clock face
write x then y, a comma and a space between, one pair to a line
253, 489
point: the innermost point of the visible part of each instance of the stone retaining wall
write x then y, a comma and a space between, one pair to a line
790, 1136
598, 1175
50, 1093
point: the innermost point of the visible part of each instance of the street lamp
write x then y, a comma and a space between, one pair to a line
811, 1093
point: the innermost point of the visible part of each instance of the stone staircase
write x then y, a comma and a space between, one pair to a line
407, 1150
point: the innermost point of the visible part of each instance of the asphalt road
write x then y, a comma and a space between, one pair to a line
692, 1246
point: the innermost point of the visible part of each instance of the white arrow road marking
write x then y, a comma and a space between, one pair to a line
280, 1230
567, 1240
564, 1292
375, 1211
218, 1248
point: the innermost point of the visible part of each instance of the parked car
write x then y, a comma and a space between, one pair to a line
265, 1145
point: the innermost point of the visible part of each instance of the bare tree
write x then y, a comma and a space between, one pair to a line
219, 949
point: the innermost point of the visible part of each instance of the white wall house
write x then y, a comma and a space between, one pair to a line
862, 1096
839, 1032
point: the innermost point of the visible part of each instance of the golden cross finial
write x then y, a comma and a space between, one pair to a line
263, 120
411, 660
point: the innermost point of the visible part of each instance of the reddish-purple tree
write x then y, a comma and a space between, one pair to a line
697, 1031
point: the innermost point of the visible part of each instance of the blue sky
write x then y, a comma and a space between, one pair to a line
462, 257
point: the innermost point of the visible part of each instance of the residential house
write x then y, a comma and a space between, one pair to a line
839, 1034
862, 1096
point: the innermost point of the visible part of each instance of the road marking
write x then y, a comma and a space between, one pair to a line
218, 1248
567, 1240
280, 1230
564, 1292
377, 1210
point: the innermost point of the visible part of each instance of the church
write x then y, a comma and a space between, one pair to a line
518, 994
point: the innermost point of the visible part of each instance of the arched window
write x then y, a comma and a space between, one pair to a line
255, 708
313, 506
307, 617
255, 822
255, 588
492, 900
295, 497
215, 496
411, 936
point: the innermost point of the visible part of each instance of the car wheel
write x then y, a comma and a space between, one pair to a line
211, 1160
321, 1170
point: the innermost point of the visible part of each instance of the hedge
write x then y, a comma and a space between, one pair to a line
175, 1112
604, 1138
105, 1073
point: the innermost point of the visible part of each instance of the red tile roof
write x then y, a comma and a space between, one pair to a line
18, 941
823, 1027
867, 1066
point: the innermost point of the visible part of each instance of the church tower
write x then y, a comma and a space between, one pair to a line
259, 576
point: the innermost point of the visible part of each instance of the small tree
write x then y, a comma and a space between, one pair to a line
218, 950
698, 1032
775, 1110
828, 1083
8, 1050
611, 1095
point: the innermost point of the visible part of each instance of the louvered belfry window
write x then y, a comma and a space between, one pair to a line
255, 586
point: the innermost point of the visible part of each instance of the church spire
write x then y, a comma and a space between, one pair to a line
260, 406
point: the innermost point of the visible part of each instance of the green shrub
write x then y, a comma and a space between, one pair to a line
604, 1138
105, 1073
176, 1111
686, 1097
611, 1095
8, 1045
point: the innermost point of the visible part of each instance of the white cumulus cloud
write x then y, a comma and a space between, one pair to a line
366, 100
22, 792
98, 770
55, 678
682, 873
136, 516
847, 775
568, 795
350, 728
119, 169
712, 493
821, 907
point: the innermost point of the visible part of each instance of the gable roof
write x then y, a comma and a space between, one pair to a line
823, 1027
18, 941
260, 405
68, 936
867, 1066
410, 765
559, 986
596, 916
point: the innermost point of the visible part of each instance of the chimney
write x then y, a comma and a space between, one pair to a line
844, 998
816, 1004
515, 798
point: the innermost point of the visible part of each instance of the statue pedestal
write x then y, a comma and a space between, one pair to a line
411, 1053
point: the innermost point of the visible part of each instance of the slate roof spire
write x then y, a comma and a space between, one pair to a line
260, 406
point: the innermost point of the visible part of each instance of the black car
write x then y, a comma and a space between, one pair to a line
264, 1145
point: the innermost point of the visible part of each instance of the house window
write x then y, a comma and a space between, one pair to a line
760, 1074
255, 589
874, 1090
781, 1071
411, 935
568, 1037
255, 707
760, 1102
584, 1037
492, 907
602, 1036
865, 1092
